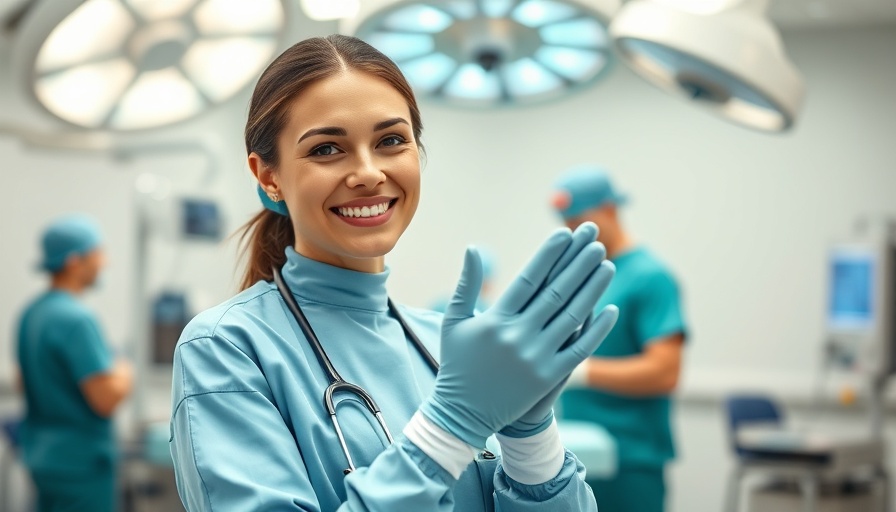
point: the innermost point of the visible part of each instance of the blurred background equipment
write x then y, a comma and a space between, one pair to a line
494, 52
724, 55
861, 309
815, 467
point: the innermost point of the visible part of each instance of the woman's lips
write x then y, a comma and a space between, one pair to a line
365, 212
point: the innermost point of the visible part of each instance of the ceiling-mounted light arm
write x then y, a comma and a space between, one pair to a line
207, 147
105, 143
78, 141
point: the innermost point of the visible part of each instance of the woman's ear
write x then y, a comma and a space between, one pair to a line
264, 173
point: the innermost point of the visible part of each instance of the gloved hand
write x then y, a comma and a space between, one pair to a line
539, 417
496, 365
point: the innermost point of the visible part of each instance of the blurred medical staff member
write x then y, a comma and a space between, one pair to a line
625, 385
70, 381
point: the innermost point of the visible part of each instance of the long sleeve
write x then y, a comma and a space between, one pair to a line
233, 451
567, 492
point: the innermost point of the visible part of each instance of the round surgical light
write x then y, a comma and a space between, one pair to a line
723, 55
491, 52
134, 64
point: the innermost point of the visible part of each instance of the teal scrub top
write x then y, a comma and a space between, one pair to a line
60, 344
649, 309
249, 428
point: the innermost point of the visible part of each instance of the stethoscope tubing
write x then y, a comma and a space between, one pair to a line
336, 382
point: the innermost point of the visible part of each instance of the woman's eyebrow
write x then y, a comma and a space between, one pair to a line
327, 130
382, 125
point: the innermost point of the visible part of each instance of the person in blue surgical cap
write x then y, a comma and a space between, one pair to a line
625, 385
269, 404
71, 382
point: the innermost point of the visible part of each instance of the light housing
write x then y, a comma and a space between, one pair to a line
125, 65
491, 52
728, 58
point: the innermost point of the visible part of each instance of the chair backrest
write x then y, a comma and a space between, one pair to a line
744, 409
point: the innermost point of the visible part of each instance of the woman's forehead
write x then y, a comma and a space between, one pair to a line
347, 98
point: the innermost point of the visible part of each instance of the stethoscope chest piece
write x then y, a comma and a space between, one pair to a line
336, 383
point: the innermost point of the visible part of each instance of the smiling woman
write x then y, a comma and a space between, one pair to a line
346, 146
333, 139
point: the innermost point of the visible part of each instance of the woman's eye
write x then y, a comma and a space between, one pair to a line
324, 150
392, 140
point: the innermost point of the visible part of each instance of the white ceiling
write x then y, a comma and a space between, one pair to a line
832, 13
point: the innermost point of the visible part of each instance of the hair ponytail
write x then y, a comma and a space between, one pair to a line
263, 240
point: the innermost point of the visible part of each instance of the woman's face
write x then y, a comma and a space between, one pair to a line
349, 170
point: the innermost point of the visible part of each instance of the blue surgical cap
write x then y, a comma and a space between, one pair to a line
582, 188
73, 234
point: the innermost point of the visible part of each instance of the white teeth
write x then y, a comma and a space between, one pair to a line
364, 211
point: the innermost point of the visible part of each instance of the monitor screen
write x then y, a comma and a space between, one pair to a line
201, 219
852, 289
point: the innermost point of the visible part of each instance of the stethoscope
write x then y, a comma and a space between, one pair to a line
337, 383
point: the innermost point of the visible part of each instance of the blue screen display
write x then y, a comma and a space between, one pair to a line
852, 290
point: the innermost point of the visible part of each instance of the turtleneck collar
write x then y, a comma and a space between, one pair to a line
320, 282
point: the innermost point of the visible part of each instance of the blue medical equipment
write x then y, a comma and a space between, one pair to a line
861, 309
337, 383
201, 219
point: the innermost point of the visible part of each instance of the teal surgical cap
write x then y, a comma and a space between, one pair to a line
73, 234
582, 188
278, 207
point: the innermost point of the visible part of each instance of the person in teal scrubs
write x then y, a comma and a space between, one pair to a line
333, 140
69, 378
625, 385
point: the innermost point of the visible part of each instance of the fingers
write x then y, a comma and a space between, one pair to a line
576, 311
591, 338
463, 302
528, 282
553, 298
582, 236
575, 335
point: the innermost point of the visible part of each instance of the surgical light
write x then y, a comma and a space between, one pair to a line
722, 54
491, 52
135, 64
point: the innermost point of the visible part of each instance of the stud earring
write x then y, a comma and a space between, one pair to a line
274, 197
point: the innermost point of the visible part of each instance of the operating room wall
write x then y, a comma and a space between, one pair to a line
744, 218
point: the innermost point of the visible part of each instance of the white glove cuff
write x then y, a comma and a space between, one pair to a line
579, 377
446, 449
535, 459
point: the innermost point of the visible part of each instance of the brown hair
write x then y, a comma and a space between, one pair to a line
266, 235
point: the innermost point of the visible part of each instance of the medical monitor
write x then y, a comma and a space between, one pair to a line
861, 304
853, 282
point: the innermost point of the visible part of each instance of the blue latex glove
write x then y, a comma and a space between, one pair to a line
497, 364
539, 417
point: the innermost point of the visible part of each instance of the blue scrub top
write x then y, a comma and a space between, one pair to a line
60, 345
249, 428
649, 309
